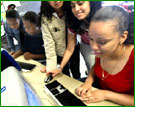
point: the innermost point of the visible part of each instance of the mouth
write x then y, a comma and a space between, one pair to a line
57, 4
79, 15
97, 53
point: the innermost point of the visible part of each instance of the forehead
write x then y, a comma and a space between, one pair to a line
26, 22
50, 2
76, 2
12, 20
102, 28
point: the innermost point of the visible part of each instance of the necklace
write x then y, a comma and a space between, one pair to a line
115, 65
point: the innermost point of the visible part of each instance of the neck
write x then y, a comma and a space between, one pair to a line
59, 11
117, 53
38, 30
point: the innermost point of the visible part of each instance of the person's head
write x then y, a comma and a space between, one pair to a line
84, 9
78, 11
108, 30
30, 22
48, 8
13, 19
11, 6
56, 4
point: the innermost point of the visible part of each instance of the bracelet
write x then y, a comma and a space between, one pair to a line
60, 68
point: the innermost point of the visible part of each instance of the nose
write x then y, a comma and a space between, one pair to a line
77, 7
27, 30
94, 46
13, 26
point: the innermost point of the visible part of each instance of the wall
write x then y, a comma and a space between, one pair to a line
29, 6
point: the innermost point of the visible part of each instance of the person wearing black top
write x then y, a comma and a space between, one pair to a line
32, 45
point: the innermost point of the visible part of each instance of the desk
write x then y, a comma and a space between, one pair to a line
36, 80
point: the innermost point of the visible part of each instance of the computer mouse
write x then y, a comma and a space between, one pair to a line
47, 79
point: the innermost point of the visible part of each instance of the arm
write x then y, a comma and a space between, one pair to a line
17, 54
68, 53
49, 45
9, 38
123, 99
86, 87
28, 56
101, 95
69, 50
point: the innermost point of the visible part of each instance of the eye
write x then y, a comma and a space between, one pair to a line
102, 42
72, 5
91, 40
80, 3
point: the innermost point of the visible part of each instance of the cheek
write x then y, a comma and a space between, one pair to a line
88, 10
17, 25
111, 48
73, 11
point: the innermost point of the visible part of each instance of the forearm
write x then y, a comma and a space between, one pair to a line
10, 43
38, 56
122, 99
91, 76
66, 57
70, 49
17, 54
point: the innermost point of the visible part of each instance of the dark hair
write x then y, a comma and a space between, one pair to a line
31, 16
12, 14
47, 11
76, 24
118, 14
11, 6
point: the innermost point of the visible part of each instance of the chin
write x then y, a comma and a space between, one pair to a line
31, 34
80, 18
15, 28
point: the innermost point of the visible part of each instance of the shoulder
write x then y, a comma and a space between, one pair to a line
130, 51
6, 26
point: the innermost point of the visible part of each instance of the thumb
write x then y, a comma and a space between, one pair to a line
48, 73
54, 74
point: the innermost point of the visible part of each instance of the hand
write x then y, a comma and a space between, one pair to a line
11, 53
94, 96
43, 70
54, 72
85, 88
28, 55
13, 56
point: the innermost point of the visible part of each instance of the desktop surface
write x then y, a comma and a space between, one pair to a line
36, 80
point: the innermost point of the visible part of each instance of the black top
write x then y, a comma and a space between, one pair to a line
33, 44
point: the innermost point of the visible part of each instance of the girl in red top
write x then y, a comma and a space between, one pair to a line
114, 67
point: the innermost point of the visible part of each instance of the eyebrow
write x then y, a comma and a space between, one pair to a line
105, 39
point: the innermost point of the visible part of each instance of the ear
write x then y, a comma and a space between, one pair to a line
123, 37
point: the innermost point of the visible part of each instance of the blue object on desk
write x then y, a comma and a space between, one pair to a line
32, 98
3, 89
7, 60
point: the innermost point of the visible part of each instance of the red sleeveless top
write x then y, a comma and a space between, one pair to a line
122, 82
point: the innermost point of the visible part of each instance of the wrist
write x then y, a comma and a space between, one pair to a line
106, 94
89, 80
60, 68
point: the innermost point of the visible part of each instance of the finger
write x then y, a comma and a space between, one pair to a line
43, 70
76, 91
83, 92
79, 89
89, 101
48, 73
54, 74
84, 99
89, 93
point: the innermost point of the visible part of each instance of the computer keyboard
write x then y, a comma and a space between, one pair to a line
62, 96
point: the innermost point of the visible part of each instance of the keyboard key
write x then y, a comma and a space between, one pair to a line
63, 95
